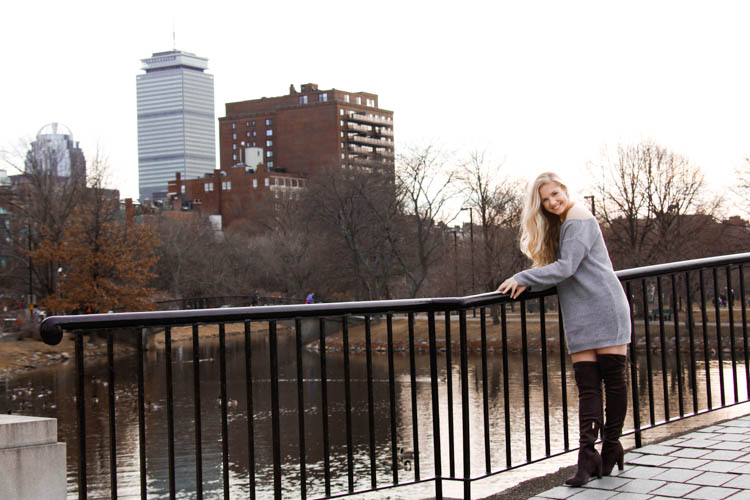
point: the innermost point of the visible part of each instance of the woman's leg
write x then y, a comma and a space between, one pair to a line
589, 383
613, 367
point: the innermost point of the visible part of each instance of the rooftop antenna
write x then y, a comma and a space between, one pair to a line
174, 42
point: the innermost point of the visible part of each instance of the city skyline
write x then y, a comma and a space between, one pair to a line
539, 86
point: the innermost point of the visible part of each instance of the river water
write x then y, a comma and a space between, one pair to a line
50, 392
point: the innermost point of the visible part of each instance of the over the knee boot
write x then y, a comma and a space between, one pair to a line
613, 368
589, 382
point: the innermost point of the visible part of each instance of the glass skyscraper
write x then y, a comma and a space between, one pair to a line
175, 121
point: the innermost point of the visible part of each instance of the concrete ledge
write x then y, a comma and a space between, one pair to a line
20, 430
32, 462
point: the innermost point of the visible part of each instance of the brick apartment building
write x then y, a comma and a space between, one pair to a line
269, 147
236, 193
307, 130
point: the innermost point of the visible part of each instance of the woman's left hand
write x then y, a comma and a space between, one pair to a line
512, 288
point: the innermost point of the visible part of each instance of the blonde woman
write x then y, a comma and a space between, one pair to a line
566, 247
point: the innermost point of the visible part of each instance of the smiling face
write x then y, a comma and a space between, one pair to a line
554, 198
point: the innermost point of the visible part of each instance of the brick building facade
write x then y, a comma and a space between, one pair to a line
309, 129
236, 193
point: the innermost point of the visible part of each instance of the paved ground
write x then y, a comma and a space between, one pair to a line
712, 463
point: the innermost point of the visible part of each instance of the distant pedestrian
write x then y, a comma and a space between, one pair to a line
567, 249
310, 299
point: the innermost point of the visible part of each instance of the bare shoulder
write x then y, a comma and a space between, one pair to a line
578, 211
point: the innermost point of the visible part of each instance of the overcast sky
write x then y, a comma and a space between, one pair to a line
539, 85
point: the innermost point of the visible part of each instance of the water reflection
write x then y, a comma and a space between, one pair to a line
50, 392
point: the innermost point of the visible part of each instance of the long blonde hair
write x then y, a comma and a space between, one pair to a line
540, 230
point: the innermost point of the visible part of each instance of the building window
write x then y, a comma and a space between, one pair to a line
234, 136
342, 134
253, 123
182, 189
268, 122
253, 143
254, 133
226, 185
234, 157
346, 97
276, 194
269, 132
255, 183
234, 125
269, 154
247, 134
323, 97
359, 100
269, 164
371, 103
269, 143
342, 156
275, 181
267, 182
247, 124
303, 99
209, 186
341, 111
342, 145
234, 147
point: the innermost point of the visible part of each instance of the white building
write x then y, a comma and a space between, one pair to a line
54, 151
175, 121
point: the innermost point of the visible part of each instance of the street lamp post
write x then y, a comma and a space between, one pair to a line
242, 147
593, 207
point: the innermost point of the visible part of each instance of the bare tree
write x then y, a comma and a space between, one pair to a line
497, 201
644, 196
340, 202
424, 188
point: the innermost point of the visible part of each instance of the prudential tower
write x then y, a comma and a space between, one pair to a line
175, 121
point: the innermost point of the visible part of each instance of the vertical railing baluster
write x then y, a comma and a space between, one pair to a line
526, 397
275, 427
706, 347
81, 394
324, 406
465, 404
677, 346
224, 412
744, 330
649, 369
170, 410
413, 383
141, 415
634, 370
506, 387
730, 310
449, 383
545, 383
719, 342
691, 335
485, 391
250, 413
348, 405
370, 402
563, 379
112, 424
301, 401
435, 406
663, 341
197, 415
392, 397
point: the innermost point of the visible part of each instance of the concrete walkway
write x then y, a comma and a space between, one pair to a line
713, 463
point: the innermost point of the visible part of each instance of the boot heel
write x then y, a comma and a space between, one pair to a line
620, 463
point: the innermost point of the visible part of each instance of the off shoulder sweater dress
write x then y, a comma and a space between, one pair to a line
594, 308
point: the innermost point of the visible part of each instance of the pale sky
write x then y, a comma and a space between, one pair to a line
540, 85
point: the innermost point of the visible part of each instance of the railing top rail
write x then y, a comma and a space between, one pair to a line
52, 327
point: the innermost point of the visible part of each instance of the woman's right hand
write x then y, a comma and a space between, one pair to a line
512, 288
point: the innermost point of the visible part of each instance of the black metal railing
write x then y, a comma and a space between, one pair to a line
373, 404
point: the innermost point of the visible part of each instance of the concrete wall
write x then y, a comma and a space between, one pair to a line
32, 462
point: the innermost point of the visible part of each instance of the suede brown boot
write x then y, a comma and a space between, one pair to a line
613, 368
589, 382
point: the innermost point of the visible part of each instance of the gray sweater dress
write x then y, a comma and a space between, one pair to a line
594, 307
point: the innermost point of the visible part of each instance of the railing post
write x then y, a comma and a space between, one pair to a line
634, 371
435, 407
